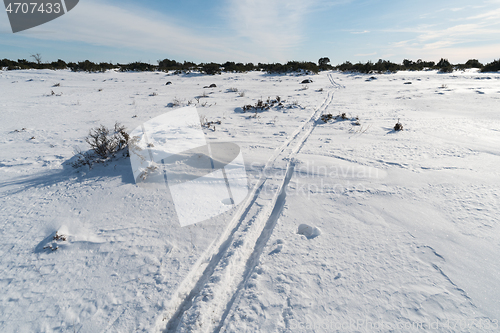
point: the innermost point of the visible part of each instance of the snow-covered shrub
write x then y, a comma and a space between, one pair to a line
326, 117
342, 116
260, 105
208, 124
398, 126
104, 144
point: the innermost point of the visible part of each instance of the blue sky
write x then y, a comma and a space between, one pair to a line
263, 31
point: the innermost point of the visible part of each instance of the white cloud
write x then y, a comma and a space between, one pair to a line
486, 53
476, 36
365, 54
99, 23
458, 32
270, 28
489, 15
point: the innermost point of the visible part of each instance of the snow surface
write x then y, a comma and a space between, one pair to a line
347, 228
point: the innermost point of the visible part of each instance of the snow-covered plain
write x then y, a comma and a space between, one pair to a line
347, 228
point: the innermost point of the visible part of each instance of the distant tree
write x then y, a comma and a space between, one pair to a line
87, 66
25, 64
37, 57
447, 69
323, 63
388, 66
230, 66
444, 66
9, 64
188, 65
492, 66
273, 68
408, 63
59, 64
380, 66
473, 63
250, 66
424, 64
167, 64
297, 66
417, 65
443, 63
345, 67
137, 67
104, 66
211, 68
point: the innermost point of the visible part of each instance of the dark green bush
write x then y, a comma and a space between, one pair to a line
443, 63
137, 67
447, 69
84, 66
324, 64
369, 67
473, 63
380, 66
211, 68
492, 66
230, 66
8, 63
417, 65
289, 67
167, 64
59, 64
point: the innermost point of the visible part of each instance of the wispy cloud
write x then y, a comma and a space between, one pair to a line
100, 23
490, 15
262, 30
457, 54
456, 40
270, 28
365, 54
458, 32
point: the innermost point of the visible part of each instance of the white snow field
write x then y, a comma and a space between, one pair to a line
347, 227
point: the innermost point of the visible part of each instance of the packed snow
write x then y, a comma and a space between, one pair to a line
349, 225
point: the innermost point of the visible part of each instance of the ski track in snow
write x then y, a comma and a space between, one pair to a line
237, 253
344, 222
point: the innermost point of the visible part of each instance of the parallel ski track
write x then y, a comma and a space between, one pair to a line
215, 281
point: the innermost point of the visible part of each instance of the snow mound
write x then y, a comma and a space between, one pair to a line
309, 231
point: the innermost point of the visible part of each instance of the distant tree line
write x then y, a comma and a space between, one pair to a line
443, 66
381, 66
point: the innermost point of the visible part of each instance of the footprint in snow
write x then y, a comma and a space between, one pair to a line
278, 249
309, 231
